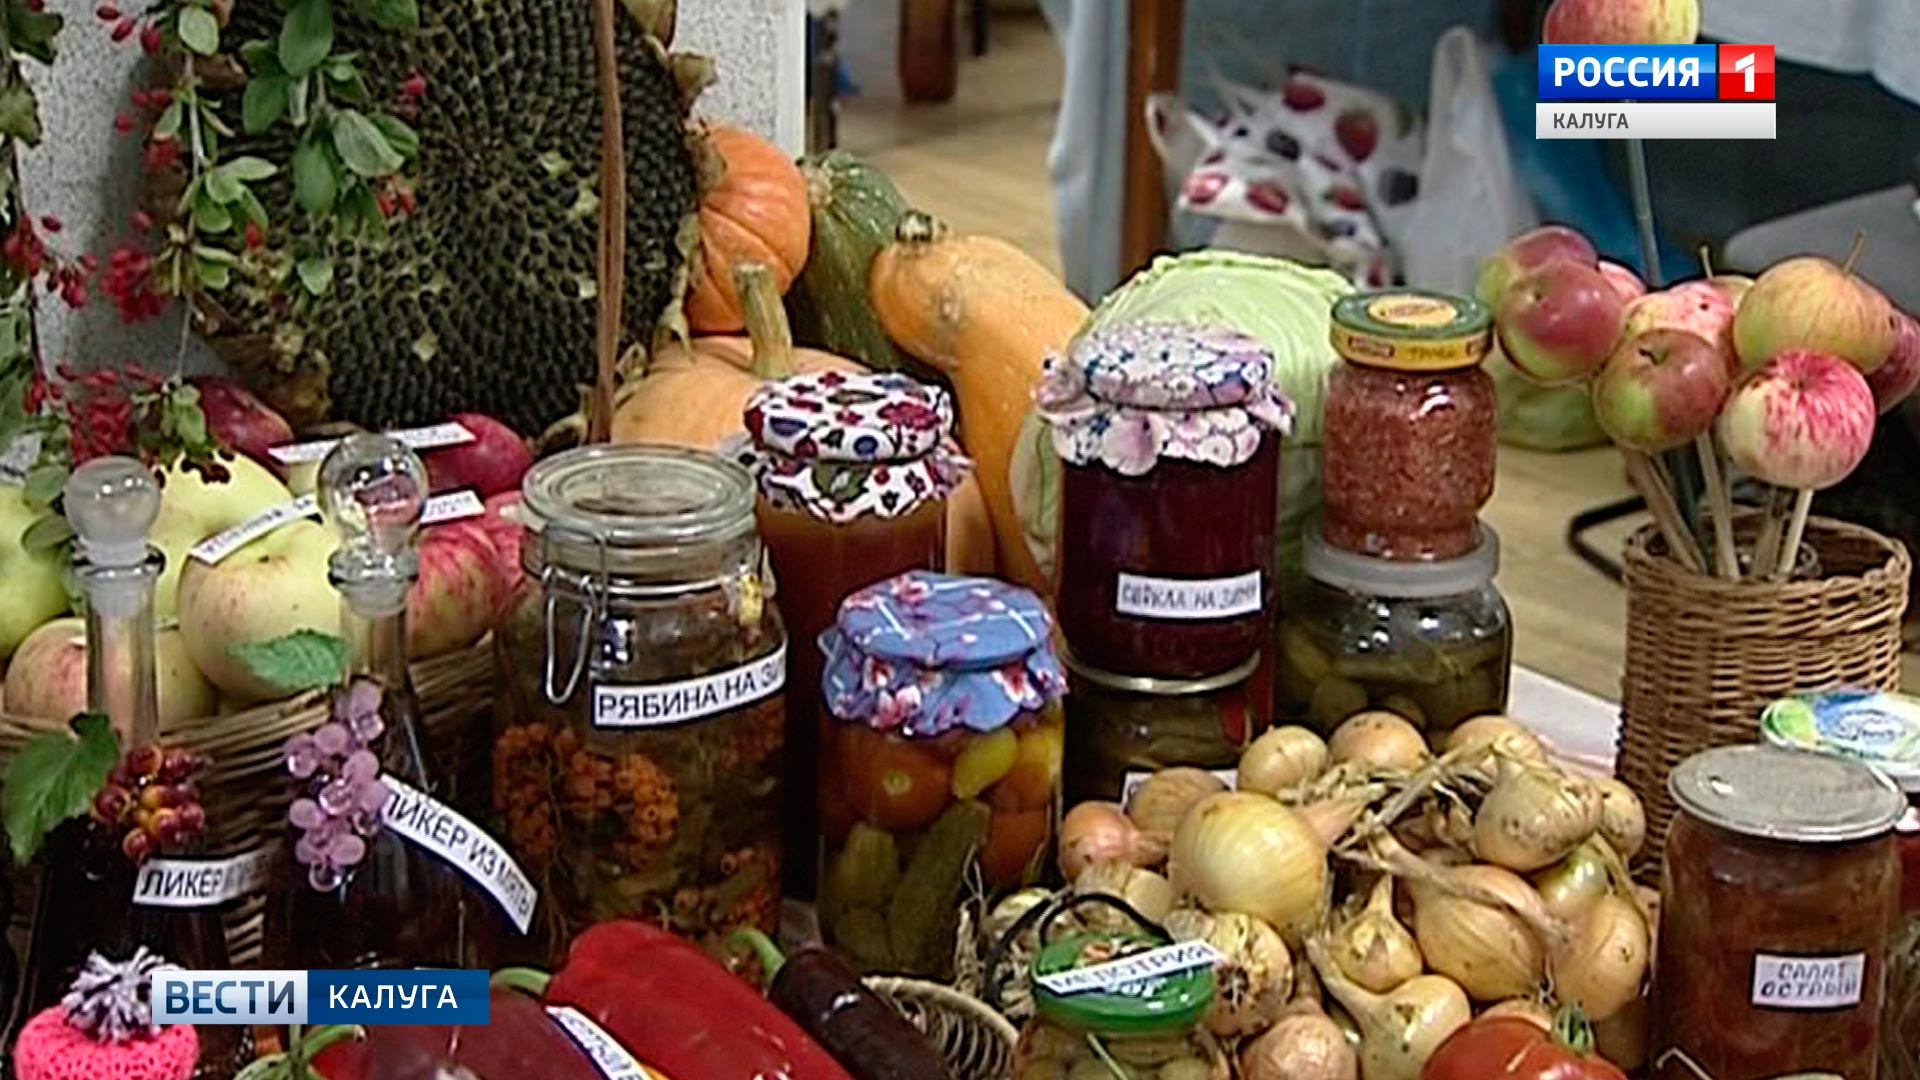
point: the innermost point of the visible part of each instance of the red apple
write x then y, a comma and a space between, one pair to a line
1698, 307
453, 603
493, 462
1804, 420
48, 676
506, 531
240, 421
1559, 323
1661, 388
1530, 251
1898, 377
1624, 280
1735, 286
1622, 22
1812, 303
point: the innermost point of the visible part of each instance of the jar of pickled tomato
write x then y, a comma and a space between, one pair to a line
1408, 451
853, 471
1169, 436
1780, 889
940, 758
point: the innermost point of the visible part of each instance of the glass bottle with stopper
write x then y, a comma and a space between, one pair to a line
357, 894
98, 889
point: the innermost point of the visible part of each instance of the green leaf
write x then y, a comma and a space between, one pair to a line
307, 35
253, 211
209, 215
302, 660
20, 113
224, 187
249, 168
297, 99
214, 254
316, 273
32, 32
47, 532
314, 183
391, 14
404, 140
53, 778
213, 275
362, 145
264, 103
199, 30
260, 58
45, 483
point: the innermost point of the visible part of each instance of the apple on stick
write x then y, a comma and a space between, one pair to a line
1530, 251
1624, 279
1896, 379
1559, 323
1622, 22
1816, 304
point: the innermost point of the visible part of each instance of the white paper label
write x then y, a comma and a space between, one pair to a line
1138, 968
604, 1050
690, 699
1136, 778
452, 506
201, 883
1808, 982
1188, 600
421, 438
439, 828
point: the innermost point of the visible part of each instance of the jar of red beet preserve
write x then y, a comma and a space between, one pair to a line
1409, 441
1169, 436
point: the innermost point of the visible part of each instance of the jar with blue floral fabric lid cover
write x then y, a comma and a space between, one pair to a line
1169, 436
940, 757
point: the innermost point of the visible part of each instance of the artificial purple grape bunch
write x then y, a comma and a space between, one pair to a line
339, 795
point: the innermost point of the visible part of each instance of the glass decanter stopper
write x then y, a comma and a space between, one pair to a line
112, 503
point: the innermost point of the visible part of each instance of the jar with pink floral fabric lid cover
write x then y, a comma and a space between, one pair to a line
1169, 435
941, 749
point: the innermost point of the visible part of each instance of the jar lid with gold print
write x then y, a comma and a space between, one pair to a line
1412, 330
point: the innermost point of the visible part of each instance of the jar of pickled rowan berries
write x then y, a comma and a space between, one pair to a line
1408, 452
940, 756
1169, 436
637, 766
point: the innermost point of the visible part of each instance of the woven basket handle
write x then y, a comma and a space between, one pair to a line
610, 272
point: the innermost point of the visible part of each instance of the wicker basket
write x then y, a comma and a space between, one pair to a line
1706, 655
242, 790
976, 1041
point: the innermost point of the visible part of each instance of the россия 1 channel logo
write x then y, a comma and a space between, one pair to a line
1655, 92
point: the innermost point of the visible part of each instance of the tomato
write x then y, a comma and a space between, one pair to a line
1035, 776
893, 783
1502, 1047
1014, 839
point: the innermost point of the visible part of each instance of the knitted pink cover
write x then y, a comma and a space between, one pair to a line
51, 1049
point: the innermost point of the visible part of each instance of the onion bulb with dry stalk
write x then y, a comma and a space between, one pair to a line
1534, 817
1507, 736
1304, 1046
1254, 981
1401, 1029
1282, 758
1603, 962
1242, 851
1623, 820
1487, 948
1099, 832
1373, 948
1164, 798
1575, 882
1145, 891
1379, 740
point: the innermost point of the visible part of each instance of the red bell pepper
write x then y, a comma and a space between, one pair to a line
678, 1009
520, 1039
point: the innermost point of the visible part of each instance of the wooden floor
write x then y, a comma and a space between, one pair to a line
980, 162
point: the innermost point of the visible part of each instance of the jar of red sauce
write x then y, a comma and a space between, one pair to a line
853, 470
1408, 451
1169, 436
1781, 889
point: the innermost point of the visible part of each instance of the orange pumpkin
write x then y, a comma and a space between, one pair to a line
754, 211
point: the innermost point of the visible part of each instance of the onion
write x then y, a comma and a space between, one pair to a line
1373, 948
1577, 881
1253, 984
1400, 1030
1602, 964
1304, 1047
1532, 1010
1534, 817
1331, 818
1244, 852
1506, 736
1485, 947
1622, 1037
1282, 758
1099, 832
1159, 804
1379, 740
1145, 891
1623, 820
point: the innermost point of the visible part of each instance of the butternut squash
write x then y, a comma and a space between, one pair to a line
986, 314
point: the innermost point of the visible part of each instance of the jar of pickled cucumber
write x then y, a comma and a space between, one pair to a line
1121, 729
1120, 1004
1432, 641
940, 756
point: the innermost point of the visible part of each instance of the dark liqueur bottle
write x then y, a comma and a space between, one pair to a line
354, 892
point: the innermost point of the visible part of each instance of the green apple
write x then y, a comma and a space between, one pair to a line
48, 676
36, 588
273, 586
191, 509
1814, 303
